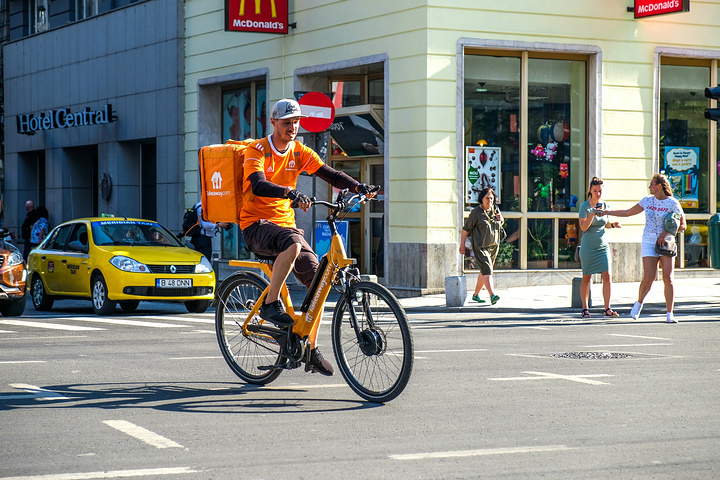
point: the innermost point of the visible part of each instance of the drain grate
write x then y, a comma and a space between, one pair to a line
590, 355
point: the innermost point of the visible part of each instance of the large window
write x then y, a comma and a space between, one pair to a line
687, 151
244, 115
526, 136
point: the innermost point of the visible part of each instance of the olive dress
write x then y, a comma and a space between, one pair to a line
483, 228
594, 251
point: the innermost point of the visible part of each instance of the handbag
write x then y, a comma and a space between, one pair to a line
503, 234
667, 250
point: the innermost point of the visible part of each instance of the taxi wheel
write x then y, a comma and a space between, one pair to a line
100, 301
129, 305
197, 306
40, 298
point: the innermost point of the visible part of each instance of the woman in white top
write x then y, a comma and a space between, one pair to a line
657, 205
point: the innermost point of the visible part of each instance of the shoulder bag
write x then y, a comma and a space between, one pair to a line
667, 250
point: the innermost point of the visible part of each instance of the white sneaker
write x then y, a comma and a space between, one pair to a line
635, 312
671, 318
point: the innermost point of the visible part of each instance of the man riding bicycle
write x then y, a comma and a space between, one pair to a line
272, 166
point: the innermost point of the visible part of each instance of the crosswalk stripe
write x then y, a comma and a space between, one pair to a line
120, 321
177, 319
53, 326
107, 474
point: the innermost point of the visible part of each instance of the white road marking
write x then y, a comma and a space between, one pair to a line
119, 321
196, 358
453, 351
631, 345
35, 392
7, 331
554, 376
49, 338
175, 318
54, 326
304, 387
637, 336
109, 474
478, 453
24, 361
142, 434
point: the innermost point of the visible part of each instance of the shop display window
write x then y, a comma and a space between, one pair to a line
684, 133
696, 245
244, 115
539, 177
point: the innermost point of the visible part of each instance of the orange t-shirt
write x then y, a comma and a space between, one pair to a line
280, 169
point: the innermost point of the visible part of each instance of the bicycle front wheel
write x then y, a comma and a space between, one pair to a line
374, 352
244, 348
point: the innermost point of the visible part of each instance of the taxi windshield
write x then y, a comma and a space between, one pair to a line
133, 233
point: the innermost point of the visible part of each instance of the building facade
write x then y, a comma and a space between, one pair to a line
108, 101
94, 109
532, 101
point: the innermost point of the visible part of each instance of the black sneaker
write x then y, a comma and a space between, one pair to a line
273, 312
319, 364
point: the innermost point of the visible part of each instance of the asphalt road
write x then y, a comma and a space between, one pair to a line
148, 395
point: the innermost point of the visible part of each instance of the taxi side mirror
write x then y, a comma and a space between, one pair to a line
76, 246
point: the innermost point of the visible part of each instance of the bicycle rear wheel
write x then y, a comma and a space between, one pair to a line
377, 360
244, 351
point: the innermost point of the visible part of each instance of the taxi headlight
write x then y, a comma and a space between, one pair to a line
127, 264
204, 266
15, 258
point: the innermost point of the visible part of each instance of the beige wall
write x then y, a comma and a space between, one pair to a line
420, 41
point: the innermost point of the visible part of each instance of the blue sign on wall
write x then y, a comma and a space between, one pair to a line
322, 236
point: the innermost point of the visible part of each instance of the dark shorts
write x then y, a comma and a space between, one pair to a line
269, 240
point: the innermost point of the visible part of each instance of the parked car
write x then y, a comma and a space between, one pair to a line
118, 260
12, 277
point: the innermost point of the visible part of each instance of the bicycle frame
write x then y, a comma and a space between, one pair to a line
307, 323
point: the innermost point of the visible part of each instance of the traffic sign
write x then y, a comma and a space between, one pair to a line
319, 109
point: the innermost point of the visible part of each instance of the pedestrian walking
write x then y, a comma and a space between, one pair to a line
30, 218
656, 235
483, 227
40, 228
202, 240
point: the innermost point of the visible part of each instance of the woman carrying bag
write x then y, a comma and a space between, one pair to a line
484, 226
658, 242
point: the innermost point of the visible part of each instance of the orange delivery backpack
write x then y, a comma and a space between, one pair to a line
221, 180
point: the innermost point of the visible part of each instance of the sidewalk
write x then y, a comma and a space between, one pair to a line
692, 296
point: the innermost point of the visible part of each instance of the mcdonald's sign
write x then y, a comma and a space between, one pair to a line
264, 16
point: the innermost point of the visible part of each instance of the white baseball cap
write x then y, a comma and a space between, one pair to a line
286, 108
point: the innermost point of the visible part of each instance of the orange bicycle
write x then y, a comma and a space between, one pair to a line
370, 331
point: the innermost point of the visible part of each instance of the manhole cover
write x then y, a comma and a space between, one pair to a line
590, 355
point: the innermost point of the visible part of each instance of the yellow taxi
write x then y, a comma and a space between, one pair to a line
118, 261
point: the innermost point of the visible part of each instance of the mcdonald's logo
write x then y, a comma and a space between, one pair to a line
257, 8
265, 16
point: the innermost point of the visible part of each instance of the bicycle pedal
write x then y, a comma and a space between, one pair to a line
284, 366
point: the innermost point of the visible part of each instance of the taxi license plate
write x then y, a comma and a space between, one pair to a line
173, 282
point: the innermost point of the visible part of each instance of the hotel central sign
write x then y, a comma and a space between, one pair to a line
263, 16
29, 124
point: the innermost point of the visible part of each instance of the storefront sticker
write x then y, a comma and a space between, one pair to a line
482, 170
681, 168
262, 16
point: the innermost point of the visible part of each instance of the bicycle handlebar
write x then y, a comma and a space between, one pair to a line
342, 202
